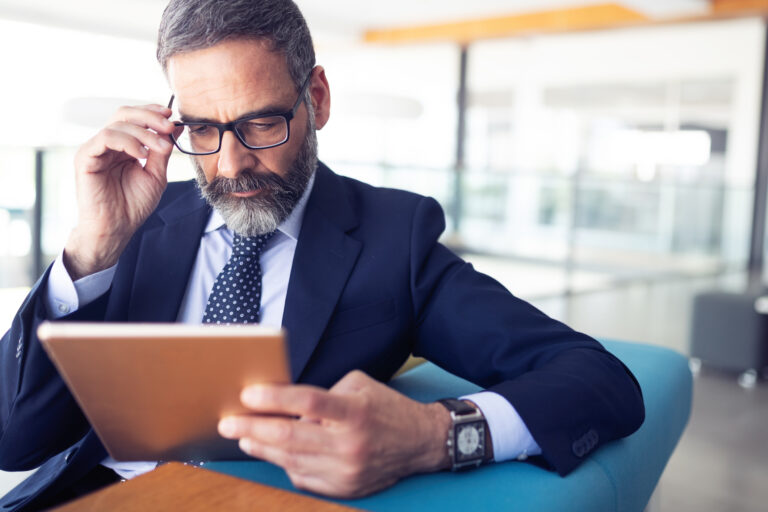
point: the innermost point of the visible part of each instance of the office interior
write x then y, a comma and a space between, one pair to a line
605, 161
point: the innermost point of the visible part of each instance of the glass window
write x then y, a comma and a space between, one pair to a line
394, 113
17, 201
57, 98
632, 152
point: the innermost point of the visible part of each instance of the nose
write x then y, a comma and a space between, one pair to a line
233, 156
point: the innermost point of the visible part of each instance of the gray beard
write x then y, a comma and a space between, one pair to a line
253, 216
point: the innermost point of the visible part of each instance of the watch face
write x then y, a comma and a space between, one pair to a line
470, 441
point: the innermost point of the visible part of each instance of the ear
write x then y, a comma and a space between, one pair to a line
320, 93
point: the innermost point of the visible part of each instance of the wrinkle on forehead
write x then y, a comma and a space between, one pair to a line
232, 78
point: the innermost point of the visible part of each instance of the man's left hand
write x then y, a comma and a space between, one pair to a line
352, 440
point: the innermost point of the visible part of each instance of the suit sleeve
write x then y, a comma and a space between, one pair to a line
571, 393
38, 415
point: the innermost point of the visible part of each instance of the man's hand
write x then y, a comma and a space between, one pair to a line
354, 439
115, 192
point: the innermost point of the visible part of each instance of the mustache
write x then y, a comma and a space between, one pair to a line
246, 181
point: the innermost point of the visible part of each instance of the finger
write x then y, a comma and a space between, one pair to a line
157, 162
320, 473
296, 400
107, 141
318, 485
161, 109
321, 484
154, 141
154, 118
298, 464
297, 436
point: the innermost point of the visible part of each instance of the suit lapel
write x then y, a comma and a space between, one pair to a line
166, 255
324, 258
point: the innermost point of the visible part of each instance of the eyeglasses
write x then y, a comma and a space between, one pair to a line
258, 131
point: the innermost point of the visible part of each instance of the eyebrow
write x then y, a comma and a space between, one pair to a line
269, 110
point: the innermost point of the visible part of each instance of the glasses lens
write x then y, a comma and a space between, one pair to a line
263, 131
197, 138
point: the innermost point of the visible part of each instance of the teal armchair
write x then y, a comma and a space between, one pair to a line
619, 477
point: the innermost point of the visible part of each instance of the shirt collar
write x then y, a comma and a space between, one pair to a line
291, 227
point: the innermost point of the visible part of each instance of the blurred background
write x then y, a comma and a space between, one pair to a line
604, 161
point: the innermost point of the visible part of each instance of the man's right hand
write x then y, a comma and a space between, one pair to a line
115, 193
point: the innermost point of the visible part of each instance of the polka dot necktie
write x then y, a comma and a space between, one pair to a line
236, 294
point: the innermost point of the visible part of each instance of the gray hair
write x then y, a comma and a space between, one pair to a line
189, 25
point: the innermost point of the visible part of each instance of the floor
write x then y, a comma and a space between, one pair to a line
721, 463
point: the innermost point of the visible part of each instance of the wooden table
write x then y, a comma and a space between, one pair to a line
176, 486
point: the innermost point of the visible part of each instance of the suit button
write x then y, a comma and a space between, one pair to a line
590, 439
585, 443
69, 456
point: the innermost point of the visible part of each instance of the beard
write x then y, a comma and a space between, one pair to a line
262, 214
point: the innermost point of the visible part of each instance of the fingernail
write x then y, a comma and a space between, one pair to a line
227, 427
144, 151
164, 144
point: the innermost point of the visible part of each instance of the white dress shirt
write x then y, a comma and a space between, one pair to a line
509, 435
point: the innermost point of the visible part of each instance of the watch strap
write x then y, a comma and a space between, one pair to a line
461, 413
459, 407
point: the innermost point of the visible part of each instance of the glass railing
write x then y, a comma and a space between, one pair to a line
539, 233
582, 230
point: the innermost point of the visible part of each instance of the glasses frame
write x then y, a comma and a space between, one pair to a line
232, 126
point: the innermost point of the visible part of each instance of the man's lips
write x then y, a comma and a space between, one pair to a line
250, 193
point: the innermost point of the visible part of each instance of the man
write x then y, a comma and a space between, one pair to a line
354, 273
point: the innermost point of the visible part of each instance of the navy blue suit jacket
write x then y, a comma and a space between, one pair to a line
370, 284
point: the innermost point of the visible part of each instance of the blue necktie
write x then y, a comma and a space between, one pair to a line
236, 294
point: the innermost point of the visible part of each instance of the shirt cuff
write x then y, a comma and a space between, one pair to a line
128, 470
510, 437
63, 296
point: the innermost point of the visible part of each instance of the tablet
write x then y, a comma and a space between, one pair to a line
157, 391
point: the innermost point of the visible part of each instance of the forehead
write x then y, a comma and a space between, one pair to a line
230, 78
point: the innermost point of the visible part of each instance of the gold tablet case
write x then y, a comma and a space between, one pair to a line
157, 391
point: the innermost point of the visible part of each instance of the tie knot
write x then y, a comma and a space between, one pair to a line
251, 245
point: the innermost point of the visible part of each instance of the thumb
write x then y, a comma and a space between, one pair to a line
353, 382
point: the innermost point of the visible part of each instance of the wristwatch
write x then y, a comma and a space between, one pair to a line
466, 438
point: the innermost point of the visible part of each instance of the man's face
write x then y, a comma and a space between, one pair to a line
254, 190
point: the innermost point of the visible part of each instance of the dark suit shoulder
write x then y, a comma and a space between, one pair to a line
389, 207
379, 195
174, 190
178, 200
